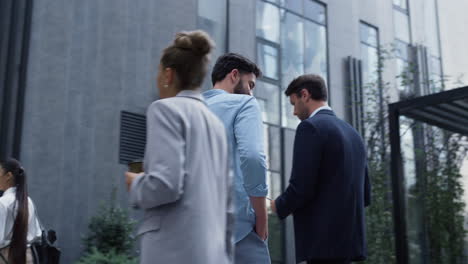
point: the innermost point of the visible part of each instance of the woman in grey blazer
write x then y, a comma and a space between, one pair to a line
185, 189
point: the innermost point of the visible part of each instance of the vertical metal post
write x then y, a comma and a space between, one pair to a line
401, 241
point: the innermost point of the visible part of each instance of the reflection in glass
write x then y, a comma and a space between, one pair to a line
414, 206
401, 25
401, 49
314, 11
293, 5
292, 42
435, 74
274, 145
268, 21
368, 35
370, 88
212, 19
400, 3
267, 58
315, 49
370, 60
431, 32
402, 70
268, 96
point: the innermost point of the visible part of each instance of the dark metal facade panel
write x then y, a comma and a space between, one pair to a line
356, 98
132, 136
447, 109
15, 24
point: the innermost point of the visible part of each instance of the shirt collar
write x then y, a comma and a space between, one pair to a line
325, 107
11, 190
215, 91
195, 94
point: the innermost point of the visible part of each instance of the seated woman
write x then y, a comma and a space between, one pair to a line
19, 225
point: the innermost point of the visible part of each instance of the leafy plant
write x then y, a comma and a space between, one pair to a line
109, 239
97, 257
435, 215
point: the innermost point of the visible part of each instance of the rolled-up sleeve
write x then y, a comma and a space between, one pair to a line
163, 180
248, 131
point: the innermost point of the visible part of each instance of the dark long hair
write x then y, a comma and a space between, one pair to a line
17, 251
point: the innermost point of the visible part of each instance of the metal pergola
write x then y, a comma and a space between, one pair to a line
447, 110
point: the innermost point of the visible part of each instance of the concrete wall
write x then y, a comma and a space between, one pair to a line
88, 61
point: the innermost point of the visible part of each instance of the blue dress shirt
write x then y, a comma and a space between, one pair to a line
242, 118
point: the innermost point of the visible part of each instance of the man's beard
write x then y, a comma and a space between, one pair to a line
239, 88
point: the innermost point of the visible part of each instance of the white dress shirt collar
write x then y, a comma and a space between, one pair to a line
11, 190
325, 107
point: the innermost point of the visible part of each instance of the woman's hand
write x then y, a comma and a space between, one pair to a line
129, 177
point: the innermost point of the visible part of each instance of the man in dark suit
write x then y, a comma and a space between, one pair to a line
329, 185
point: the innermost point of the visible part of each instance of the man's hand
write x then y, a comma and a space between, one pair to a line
261, 228
273, 206
261, 216
129, 177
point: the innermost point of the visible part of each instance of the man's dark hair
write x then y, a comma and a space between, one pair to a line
230, 61
313, 83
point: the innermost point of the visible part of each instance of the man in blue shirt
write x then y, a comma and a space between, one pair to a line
233, 78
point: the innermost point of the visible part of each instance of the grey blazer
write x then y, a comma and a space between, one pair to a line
186, 188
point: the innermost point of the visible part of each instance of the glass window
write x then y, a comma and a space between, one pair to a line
370, 73
292, 46
293, 5
400, 3
435, 74
402, 69
401, 25
370, 60
315, 11
414, 205
401, 50
212, 19
292, 40
292, 63
368, 35
268, 21
315, 49
267, 59
268, 97
274, 136
431, 32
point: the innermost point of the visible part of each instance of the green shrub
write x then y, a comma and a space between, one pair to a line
110, 230
97, 257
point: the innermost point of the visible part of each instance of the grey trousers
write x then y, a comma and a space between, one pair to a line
252, 250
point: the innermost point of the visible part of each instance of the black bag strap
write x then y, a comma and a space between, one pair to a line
3, 258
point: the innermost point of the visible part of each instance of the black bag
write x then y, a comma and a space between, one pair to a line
43, 251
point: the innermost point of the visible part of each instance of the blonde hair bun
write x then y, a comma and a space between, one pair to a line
199, 42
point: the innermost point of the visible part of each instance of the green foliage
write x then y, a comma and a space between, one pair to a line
109, 238
434, 203
97, 257
443, 199
379, 218
110, 230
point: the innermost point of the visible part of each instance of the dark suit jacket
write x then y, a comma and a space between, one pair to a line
328, 190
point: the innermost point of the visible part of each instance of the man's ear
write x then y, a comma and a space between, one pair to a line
235, 75
305, 94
